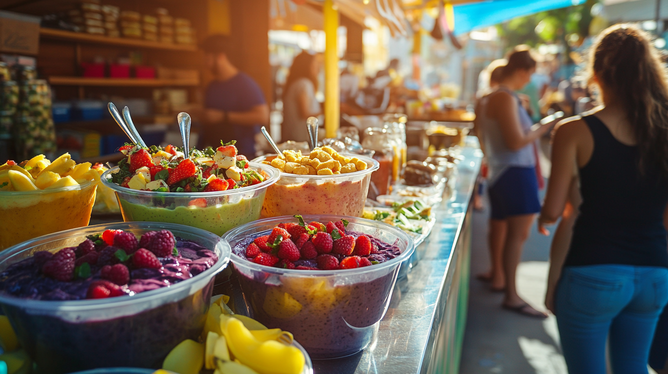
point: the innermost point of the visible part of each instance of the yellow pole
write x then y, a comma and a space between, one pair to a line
332, 92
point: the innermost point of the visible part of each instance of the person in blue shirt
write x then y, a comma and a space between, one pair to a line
235, 106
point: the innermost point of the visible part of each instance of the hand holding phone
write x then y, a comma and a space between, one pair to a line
550, 120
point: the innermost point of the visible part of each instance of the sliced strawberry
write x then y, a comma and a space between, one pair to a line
126, 181
124, 149
140, 159
184, 170
208, 171
170, 149
155, 170
217, 184
200, 203
227, 150
231, 184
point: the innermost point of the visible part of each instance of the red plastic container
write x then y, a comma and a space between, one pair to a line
144, 72
93, 70
119, 71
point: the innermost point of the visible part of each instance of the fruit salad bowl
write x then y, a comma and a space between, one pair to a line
214, 211
332, 313
338, 194
136, 330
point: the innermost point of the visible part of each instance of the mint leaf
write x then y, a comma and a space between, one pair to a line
241, 164
276, 242
375, 262
345, 222
163, 189
335, 235
4, 184
231, 142
82, 271
175, 252
300, 219
179, 189
162, 174
121, 255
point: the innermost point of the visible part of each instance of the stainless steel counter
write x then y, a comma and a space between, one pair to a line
421, 324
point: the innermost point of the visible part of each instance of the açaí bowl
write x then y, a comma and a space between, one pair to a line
28, 214
131, 331
332, 313
339, 194
224, 209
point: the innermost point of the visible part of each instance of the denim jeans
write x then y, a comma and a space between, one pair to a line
617, 303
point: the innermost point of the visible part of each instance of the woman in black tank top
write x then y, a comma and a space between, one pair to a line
611, 282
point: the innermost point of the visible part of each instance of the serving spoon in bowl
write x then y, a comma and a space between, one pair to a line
184, 126
129, 129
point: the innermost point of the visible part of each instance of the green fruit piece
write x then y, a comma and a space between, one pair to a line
185, 358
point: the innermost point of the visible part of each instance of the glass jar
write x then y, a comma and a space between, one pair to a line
395, 125
377, 140
446, 135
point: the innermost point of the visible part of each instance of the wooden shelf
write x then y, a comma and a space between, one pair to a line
114, 157
158, 119
81, 37
114, 82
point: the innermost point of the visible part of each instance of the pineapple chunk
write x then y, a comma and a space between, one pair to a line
63, 182
79, 170
156, 184
160, 156
145, 172
46, 179
234, 173
138, 182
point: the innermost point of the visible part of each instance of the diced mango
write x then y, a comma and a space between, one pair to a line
62, 165
290, 166
63, 182
33, 161
349, 168
7, 335
185, 358
329, 150
20, 181
278, 163
79, 170
281, 304
325, 171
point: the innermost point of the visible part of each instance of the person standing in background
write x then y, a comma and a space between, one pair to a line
235, 107
299, 101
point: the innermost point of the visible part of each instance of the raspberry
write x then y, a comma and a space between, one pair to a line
285, 264
162, 244
344, 246
108, 256
146, 238
301, 239
140, 159
61, 265
276, 232
363, 246
145, 259
341, 225
350, 262
287, 250
308, 251
300, 267
318, 226
90, 259
261, 242
96, 289
85, 247
117, 274
365, 262
266, 259
322, 242
108, 236
327, 262
252, 250
126, 241
42, 257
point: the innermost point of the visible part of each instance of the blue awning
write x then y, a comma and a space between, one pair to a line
487, 13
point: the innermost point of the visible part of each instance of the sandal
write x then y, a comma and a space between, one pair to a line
525, 310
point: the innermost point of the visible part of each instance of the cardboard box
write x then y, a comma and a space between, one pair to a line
19, 33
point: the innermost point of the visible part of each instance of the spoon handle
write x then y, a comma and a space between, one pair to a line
119, 120
131, 126
312, 126
184, 127
270, 140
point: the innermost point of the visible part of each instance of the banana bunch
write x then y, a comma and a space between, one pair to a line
39, 173
236, 344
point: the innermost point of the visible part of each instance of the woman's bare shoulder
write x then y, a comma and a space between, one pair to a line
571, 128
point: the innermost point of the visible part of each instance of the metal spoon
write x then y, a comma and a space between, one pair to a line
184, 126
131, 126
119, 120
270, 140
312, 126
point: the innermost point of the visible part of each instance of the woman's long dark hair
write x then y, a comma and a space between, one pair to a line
520, 58
301, 68
626, 63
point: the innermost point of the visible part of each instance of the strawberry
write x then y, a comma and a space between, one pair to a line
227, 150
363, 246
185, 169
301, 239
285, 264
124, 149
140, 159
350, 262
318, 226
365, 262
266, 259
102, 289
200, 202
145, 259
275, 233
170, 149
125, 182
11, 162
284, 225
322, 242
117, 274
263, 243
231, 183
252, 250
296, 230
108, 236
187, 188
308, 251
331, 226
327, 262
155, 170
287, 250
344, 246
216, 184
208, 171
61, 266
341, 225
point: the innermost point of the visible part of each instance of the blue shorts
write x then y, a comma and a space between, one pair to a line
514, 193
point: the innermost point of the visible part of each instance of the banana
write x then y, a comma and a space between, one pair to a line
230, 367
62, 165
263, 357
39, 167
185, 358
20, 181
273, 334
79, 170
63, 182
213, 320
209, 347
250, 323
33, 161
89, 176
46, 179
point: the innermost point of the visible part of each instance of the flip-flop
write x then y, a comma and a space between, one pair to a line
520, 309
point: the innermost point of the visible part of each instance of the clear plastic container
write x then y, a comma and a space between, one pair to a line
332, 313
340, 194
28, 214
132, 331
224, 210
